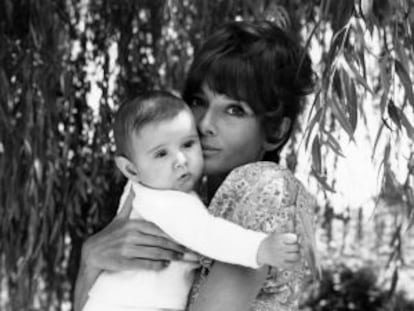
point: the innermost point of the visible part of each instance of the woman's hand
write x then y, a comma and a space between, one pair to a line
127, 244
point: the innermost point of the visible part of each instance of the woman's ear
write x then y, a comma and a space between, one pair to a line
127, 168
278, 137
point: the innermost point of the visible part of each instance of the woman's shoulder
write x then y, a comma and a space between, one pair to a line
256, 196
267, 178
261, 172
259, 168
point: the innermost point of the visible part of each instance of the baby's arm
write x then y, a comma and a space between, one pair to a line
186, 220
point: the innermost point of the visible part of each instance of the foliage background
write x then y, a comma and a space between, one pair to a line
66, 64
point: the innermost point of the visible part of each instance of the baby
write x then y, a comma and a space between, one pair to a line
158, 150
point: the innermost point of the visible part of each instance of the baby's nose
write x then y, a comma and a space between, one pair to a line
180, 160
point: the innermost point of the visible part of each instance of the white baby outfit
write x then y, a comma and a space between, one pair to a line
186, 220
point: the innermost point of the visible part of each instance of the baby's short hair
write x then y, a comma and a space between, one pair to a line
148, 107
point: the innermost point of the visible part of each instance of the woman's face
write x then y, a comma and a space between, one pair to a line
231, 134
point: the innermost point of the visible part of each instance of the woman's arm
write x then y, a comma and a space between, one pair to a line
229, 288
267, 204
85, 279
123, 245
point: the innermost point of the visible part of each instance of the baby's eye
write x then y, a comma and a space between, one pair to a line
189, 144
160, 154
236, 110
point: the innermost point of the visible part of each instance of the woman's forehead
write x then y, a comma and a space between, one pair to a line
208, 92
226, 94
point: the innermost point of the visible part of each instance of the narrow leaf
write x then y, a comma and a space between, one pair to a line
312, 124
384, 100
399, 49
377, 140
394, 113
406, 81
361, 56
387, 153
322, 181
334, 144
337, 44
410, 205
352, 103
394, 281
340, 115
407, 125
316, 155
336, 84
354, 73
385, 81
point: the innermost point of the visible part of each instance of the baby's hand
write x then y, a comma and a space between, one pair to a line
280, 250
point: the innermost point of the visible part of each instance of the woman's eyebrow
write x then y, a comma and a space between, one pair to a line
248, 109
241, 103
232, 99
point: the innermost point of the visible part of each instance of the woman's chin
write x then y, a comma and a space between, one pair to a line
213, 168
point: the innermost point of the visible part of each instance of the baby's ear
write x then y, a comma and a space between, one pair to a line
278, 137
127, 168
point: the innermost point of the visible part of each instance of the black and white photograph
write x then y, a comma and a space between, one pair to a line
221, 155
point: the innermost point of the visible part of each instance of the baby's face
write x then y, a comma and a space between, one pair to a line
167, 154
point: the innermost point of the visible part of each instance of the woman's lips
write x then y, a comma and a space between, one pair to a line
209, 150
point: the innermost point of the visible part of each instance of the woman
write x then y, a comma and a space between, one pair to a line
246, 88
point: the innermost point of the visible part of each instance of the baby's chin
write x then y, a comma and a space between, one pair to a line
174, 187
184, 188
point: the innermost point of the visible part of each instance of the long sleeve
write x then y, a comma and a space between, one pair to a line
186, 220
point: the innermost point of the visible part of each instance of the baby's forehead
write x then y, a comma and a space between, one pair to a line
182, 123
181, 118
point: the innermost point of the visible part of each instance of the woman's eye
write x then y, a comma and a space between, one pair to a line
160, 154
236, 110
196, 102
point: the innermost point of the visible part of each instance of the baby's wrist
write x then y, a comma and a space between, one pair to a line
262, 257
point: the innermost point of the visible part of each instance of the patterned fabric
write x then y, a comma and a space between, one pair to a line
263, 196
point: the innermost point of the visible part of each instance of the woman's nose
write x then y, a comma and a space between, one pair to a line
206, 124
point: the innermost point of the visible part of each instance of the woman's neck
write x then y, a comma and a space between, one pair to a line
213, 183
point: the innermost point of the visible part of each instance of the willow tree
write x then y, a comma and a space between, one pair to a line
66, 65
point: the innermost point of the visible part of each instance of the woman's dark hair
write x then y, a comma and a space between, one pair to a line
259, 63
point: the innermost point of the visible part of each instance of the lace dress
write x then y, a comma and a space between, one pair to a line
262, 196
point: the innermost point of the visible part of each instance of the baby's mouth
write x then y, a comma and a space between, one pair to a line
184, 177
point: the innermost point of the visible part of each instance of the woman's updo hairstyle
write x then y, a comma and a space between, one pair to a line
259, 63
